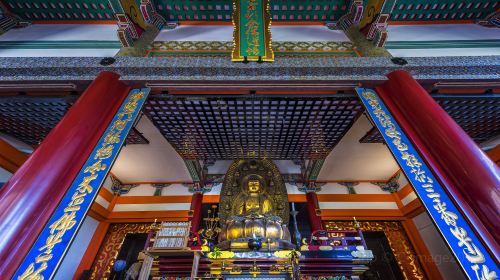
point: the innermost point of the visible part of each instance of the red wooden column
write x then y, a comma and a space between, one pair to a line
312, 205
34, 191
469, 176
196, 204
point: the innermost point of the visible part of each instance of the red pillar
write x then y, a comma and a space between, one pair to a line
469, 176
312, 205
196, 203
32, 194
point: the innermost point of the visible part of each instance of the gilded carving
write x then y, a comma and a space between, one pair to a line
398, 241
111, 246
264, 173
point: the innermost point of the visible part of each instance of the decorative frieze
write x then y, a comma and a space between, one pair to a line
282, 46
349, 186
291, 69
196, 187
310, 187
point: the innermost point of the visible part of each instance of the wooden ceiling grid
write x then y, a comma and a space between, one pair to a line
425, 10
30, 119
255, 127
479, 116
295, 127
281, 10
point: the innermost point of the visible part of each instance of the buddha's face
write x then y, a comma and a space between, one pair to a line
253, 186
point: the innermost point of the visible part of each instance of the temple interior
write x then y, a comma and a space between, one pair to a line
249, 139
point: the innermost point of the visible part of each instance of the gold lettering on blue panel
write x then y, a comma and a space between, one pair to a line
469, 251
46, 254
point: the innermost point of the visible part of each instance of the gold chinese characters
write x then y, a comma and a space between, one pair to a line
92, 169
471, 252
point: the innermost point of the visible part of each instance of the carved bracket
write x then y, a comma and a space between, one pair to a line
311, 187
118, 188
197, 187
392, 185
159, 188
349, 186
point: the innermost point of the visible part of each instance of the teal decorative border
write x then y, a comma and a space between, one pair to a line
462, 240
285, 46
48, 251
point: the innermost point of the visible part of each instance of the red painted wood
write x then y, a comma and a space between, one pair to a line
29, 198
468, 175
196, 203
312, 205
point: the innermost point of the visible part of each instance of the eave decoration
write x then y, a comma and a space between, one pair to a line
392, 185
118, 188
252, 31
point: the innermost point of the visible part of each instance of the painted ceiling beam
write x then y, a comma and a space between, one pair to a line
320, 73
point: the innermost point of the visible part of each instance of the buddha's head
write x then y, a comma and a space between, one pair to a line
254, 184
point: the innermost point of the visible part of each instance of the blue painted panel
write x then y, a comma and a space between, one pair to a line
46, 254
463, 242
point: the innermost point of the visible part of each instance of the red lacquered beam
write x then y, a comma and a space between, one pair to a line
28, 199
468, 175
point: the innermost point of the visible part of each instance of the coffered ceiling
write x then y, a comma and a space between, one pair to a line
479, 116
281, 10
218, 128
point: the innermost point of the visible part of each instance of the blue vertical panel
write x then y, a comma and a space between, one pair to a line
49, 249
476, 261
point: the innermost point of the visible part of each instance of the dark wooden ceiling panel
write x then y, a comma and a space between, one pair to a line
433, 10
479, 116
30, 119
253, 127
61, 10
281, 10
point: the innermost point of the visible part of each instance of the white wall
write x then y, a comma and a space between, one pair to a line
77, 250
225, 33
440, 33
443, 52
438, 249
156, 162
58, 52
351, 160
61, 32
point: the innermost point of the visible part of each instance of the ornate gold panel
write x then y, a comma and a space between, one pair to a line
237, 178
106, 257
399, 242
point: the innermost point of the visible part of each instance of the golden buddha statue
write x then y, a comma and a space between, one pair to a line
254, 201
254, 205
